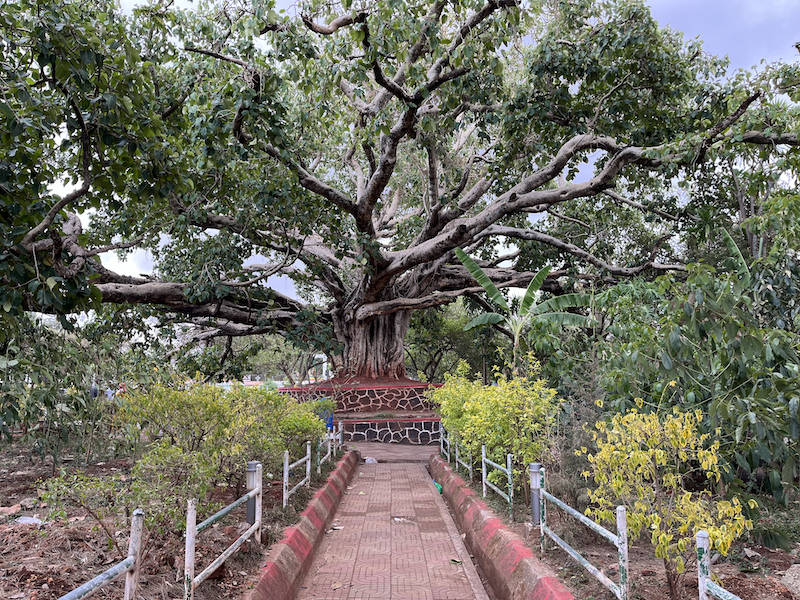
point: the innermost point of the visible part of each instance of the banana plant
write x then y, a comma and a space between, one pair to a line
553, 310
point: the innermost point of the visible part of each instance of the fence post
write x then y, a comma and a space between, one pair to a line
703, 564
308, 464
341, 435
483, 469
533, 469
542, 507
285, 477
191, 534
456, 457
622, 549
250, 481
441, 439
135, 550
259, 500
509, 466
470, 466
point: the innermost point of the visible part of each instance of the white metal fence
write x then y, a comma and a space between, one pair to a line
444, 442
287, 468
508, 470
331, 442
620, 540
255, 485
459, 453
708, 589
129, 567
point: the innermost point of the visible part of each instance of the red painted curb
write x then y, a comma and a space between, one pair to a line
289, 560
510, 566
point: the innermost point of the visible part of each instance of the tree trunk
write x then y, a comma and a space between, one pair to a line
374, 348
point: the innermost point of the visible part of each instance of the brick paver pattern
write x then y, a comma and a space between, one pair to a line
393, 542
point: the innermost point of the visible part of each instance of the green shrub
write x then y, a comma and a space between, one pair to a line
196, 437
226, 428
510, 416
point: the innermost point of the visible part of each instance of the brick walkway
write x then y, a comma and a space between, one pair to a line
396, 541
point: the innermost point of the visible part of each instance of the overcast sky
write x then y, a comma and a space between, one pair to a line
747, 31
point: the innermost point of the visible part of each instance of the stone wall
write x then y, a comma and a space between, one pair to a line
355, 399
397, 431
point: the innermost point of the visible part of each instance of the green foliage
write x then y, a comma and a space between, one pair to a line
437, 341
648, 463
552, 310
726, 360
48, 373
228, 428
513, 415
199, 437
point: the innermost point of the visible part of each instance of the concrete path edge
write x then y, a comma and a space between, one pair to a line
288, 561
510, 566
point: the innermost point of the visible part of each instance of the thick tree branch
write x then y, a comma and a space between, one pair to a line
724, 124
225, 57
335, 24
537, 236
638, 206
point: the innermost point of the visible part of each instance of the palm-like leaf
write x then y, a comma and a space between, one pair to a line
485, 319
561, 303
567, 319
741, 265
533, 287
483, 279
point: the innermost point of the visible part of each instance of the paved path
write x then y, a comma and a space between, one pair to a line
392, 538
394, 452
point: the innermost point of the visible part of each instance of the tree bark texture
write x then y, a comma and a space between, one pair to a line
374, 347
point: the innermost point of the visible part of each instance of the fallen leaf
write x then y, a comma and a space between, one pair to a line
17, 595
10, 510
73, 519
751, 553
455, 561
361, 494
336, 585
337, 528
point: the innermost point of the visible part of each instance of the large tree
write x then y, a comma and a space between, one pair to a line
351, 146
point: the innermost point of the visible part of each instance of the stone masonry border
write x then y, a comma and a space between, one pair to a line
510, 566
288, 561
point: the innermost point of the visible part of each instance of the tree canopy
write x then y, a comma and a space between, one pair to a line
354, 145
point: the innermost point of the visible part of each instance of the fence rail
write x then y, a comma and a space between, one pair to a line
325, 441
288, 467
509, 497
708, 589
539, 516
129, 567
444, 440
255, 484
467, 465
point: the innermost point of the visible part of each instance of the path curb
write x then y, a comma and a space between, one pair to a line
510, 566
289, 560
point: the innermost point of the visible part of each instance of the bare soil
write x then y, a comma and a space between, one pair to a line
757, 577
45, 561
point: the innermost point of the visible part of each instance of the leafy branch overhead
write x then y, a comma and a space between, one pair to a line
352, 148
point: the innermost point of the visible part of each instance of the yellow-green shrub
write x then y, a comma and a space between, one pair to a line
509, 416
642, 462
227, 428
